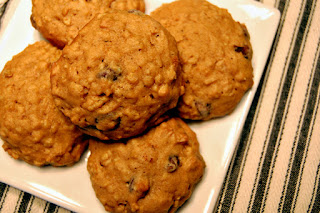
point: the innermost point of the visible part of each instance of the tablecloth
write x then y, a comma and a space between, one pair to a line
276, 167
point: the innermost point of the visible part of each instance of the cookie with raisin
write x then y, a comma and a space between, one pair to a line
31, 126
155, 172
60, 20
216, 54
118, 76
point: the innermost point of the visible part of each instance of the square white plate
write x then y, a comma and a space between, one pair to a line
70, 187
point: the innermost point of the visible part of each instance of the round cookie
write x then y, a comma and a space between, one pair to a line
215, 53
118, 76
31, 126
155, 172
60, 20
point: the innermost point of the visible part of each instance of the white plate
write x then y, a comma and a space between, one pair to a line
71, 187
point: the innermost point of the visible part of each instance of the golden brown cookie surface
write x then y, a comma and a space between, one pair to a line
60, 20
31, 126
155, 172
118, 76
215, 53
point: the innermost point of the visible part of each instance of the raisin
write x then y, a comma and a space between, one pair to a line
203, 109
117, 125
245, 50
34, 24
110, 74
173, 163
112, 119
245, 31
89, 127
136, 12
130, 184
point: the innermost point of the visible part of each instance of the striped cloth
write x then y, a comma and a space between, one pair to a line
276, 167
3, 5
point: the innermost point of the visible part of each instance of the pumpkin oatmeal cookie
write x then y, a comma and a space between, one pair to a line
31, 126
118, 76
155, 172
60, 20
215, 54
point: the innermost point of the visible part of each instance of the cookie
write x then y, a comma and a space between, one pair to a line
60, 20
215, 53
118, 76
155, 172
31, 126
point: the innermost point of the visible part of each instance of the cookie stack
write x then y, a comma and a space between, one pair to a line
122, 81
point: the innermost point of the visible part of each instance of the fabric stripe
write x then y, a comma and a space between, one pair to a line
286, 184
37, 204
235, 172
246, 139
307, 132
240, 153
21, 194
4, 190
313, 153
314, 203
24, 203
293, 124
225, 186
52, 208
302, 145
31, 202
281, 113
283, 7
283, 10
275, 119
2, 9
255, 109
12, 200
46, 207
297, 67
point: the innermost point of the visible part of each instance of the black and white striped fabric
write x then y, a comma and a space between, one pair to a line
3, 5
277, 165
